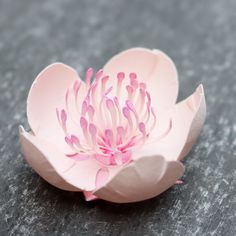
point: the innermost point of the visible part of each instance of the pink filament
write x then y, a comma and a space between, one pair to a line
109, 126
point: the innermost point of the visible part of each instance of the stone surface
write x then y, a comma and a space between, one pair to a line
198, 35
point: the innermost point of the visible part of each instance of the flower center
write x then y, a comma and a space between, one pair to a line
114, 117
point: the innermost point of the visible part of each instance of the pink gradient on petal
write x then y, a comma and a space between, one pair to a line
55, 167
119, 136
115, 134
144, 178
46, 95
187, 121
152, 67
89, 196
101, 177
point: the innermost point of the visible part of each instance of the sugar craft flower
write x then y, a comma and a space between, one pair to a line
119, 134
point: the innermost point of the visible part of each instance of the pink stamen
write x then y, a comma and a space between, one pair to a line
93, 93
83, 123
148, 114
75, 141
120, 134
133, 80
116, 101
102, 117
104, 81
133, 76
87, 98
90, 111
130, 105
84, 108
63, 119
120, 75
93, 133
130, 91
109, 137
126, 113
120, 78
142, 128
76, 87
102, 109
143, 86
68, 107
69, 142
92, 129
110, 104
112, 111
149, 99
118, 158
148, 111
118, 130
134, 83
98, 75
108, 91
84, 126
140, 100
88, 76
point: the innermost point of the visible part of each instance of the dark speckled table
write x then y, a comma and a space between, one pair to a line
200, 36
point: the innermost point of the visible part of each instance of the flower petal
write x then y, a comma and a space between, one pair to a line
187, 117
55, 167
153, 67
46, 94
145, 178
101, 178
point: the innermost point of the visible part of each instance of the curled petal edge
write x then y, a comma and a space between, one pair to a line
155, 68
197, 121
56, 168
143, 179
51, 82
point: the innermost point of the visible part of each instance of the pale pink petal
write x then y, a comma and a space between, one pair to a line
101, 178
187, 118
145, 178
47, 93
153, 67
89, 196
55, 167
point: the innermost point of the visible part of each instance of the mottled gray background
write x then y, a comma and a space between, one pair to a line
200, 36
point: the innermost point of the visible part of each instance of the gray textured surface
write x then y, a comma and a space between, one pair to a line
201, 38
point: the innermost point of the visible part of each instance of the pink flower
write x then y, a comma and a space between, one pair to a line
120, 137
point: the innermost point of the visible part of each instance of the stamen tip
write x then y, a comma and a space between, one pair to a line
92, 129
121, 75
109, 104
83, 123
125, 111
132, 75
142, 127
